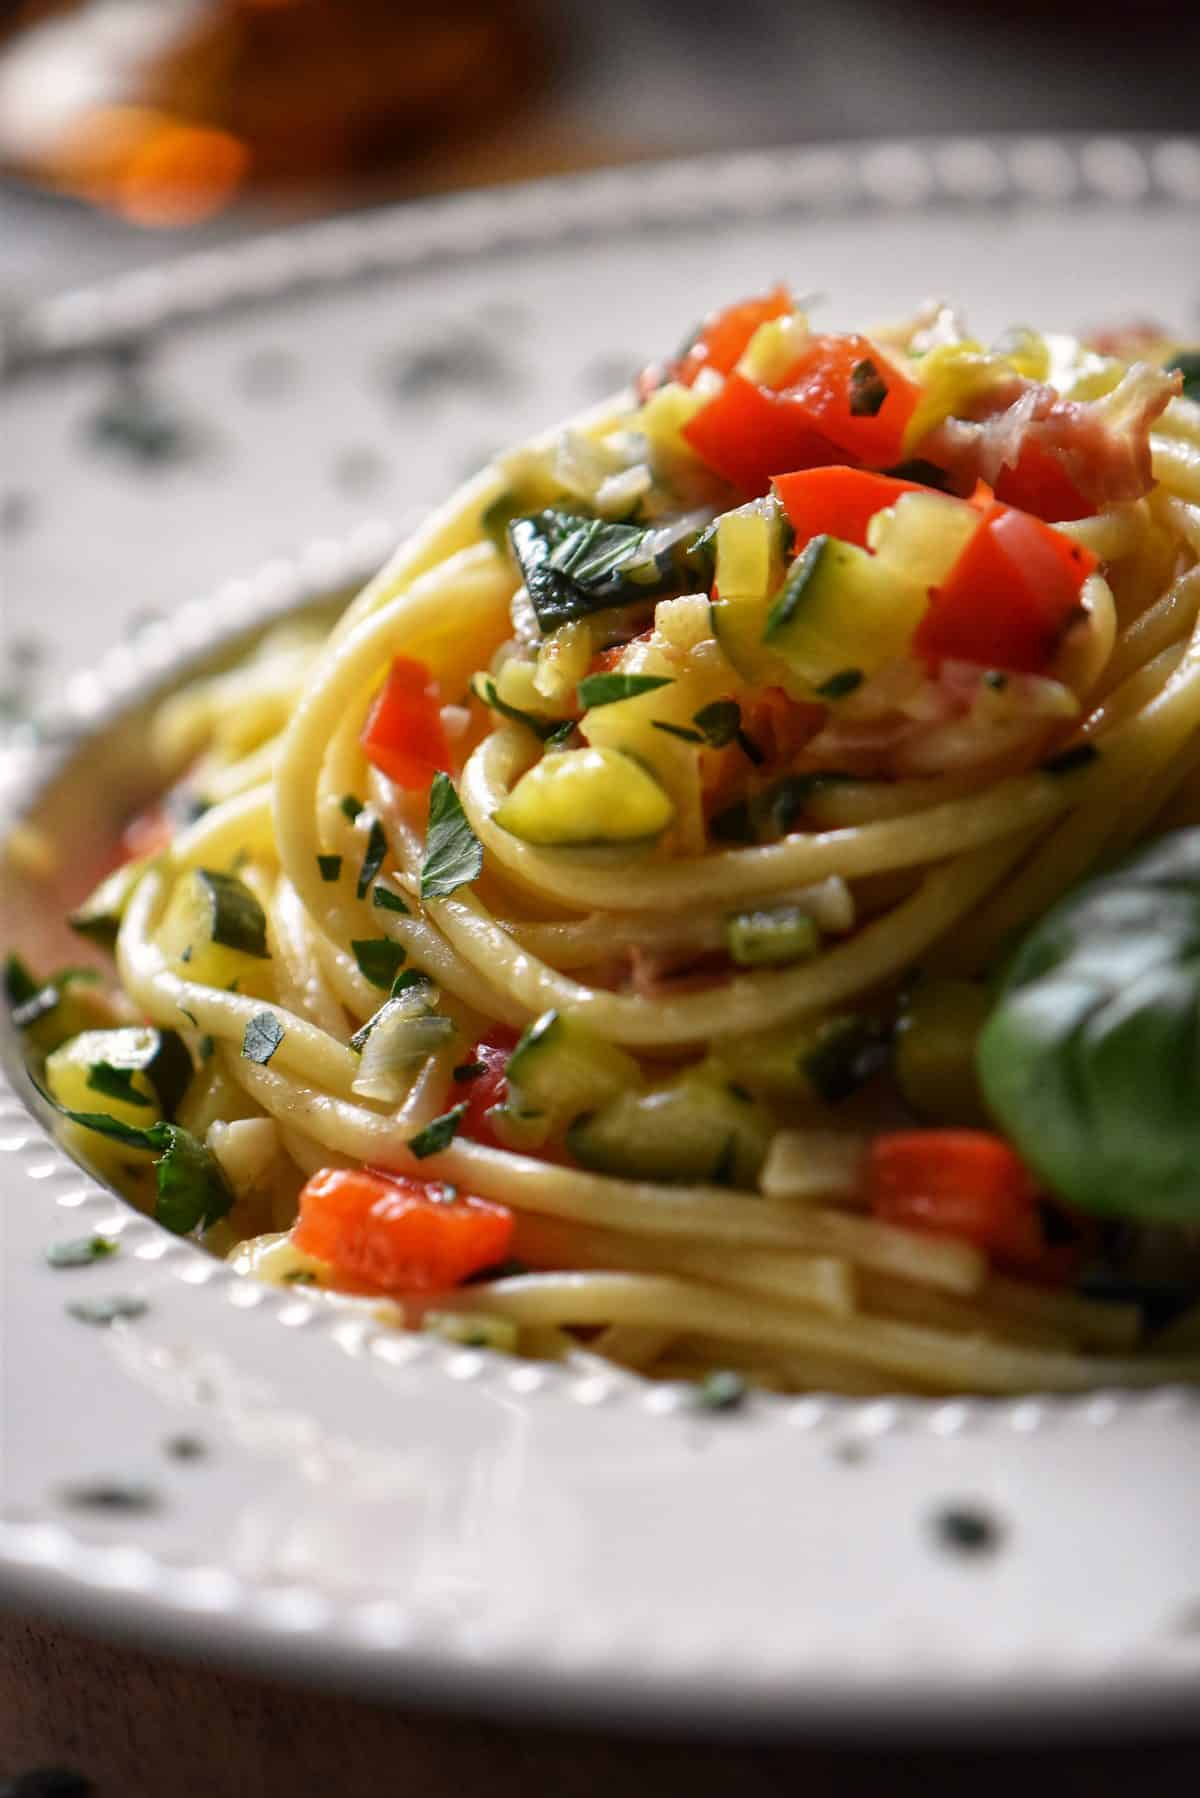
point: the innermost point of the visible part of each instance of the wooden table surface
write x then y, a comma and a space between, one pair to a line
142, 1726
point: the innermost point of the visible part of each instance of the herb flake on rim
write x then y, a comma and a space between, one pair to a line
721, 1390
81, 1251
116, 1308
379, 959
453, 853
607, 689
373, 859
263, 1035
438, 1134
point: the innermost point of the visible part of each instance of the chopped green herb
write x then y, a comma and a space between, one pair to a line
771, 936
111, 1310
262, 1037
19, 983
966, 1530
191, 1017
1078, 756
351, 806
300, 1276
468, 1070
725, 1169
838, 686
453, 853
848, 1052
996, 680
80, 1251
721, 1390
719, 723
186, 954
607, 689
773, 813
207, 1046
868, 389
411, 977
1188, 364
384, 899
379, 959
562, 733
542, 728
373, 858
788, 600
925, 474
573, 566
116, 1083
192, 1189
330, 866
499, 1270
437, 1135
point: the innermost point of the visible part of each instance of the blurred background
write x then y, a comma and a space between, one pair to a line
130, 129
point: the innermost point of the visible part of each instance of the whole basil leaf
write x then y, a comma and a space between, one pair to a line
573, 566
1090, 1060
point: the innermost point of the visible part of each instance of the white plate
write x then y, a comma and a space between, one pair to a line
385, 1512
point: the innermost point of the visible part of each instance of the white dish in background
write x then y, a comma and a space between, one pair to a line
246, 1472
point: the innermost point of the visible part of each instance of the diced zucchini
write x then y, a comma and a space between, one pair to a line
746, 547
99, 917
841, 607
214, 931
923, 535
67, 1004
738, 627
937, 1031
771, 935
775, 349
113, 1071
560, 1068
696, 1129
574, 797
661, 421
819, 1059
562, 662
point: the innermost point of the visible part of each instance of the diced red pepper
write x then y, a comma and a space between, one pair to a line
970, 1184
404, 736
825, 383
725, 336
389, 1233
1008, 598
837, 501
487, 1089
1038, 483
747, 433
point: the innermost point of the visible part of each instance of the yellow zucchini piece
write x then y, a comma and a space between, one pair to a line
923, 535
574, 797
214, 932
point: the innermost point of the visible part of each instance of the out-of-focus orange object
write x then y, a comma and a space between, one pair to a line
164, 110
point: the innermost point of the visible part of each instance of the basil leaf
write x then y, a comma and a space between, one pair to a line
607, 689
719, 722
330, 866
379, 959
438, 1134
80, 1251
373, 859
383, 899
1188, 364
542, 728
868, 389
115, 1083
573, 565
1090, 1060
678, 730
453, 853
262, 1037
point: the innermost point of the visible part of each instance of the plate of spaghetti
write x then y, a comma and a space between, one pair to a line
711, 927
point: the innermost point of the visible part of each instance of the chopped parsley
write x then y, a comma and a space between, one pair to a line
330, 866
438, 1134
379, 959
868, 389
840, 685
607, 689
453, 853
351, 806
262, 1037
1078, 756
384, 899
372, 859
721, 1390
543, 728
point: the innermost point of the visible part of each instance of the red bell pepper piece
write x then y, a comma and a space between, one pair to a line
747, 433
387, 1232
970, 1184
837, 383
489, 1088
724, 336
1038, 483
404, 736
838, 501
1008, 598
